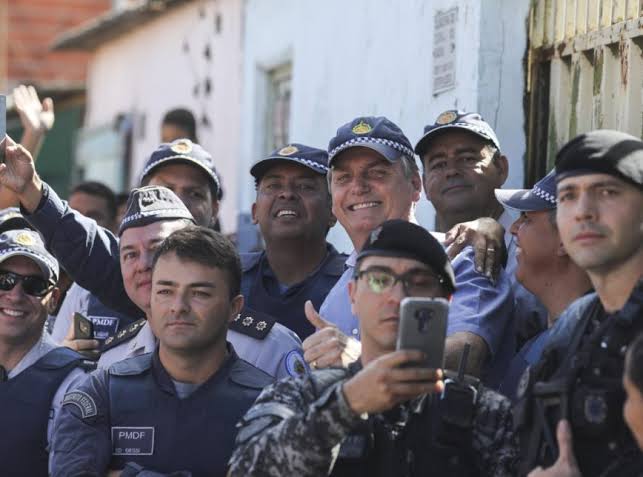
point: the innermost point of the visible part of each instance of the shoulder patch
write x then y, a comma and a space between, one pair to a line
123, 335
296, 364
83, 401
253, 323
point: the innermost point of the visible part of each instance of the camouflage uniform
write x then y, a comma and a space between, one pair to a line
296, 427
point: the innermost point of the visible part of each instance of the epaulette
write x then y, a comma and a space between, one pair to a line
253, 323
123, 335
131, 366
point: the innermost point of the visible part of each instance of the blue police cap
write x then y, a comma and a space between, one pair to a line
150, 204
311, 157
11, 219
28, 243
453, 119
377, 133
602, 152
541, 197
187, 152
403, 239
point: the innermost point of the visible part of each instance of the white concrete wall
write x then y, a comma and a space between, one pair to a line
374, 57
146, 72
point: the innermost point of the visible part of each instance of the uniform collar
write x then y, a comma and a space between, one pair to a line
143, 342
43, 346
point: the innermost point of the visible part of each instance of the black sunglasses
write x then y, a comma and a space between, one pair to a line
32, 284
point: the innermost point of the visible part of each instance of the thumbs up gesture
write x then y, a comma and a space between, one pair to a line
328, 347
566, 465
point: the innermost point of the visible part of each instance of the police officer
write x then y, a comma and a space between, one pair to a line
543, 267
119, 276
600, 218
34, 372
173, 410
293, 211
388, 415
374, 177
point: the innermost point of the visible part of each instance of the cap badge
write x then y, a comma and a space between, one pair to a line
182, 146
446, 117
25, 239
362, 128
288, 151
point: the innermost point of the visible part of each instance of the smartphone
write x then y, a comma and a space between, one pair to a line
423, 327
83, 327
3, 126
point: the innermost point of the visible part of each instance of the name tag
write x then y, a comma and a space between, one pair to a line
132, 440
104, 326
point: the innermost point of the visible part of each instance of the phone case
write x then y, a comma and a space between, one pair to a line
423, 327
83, 327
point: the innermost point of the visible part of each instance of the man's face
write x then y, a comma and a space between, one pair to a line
22, 316
93, 207
292, 202
191, 304
137, 247
460, 174
192, 186
379, 313
368, 190
538, 244
600, 220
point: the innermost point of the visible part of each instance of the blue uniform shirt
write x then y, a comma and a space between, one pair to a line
478, 306
262, 291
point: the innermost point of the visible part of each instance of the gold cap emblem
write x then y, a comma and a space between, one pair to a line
287, 151
362, 128
182, 146
446, 117
25, 239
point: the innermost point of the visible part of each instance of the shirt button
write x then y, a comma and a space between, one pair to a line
355, 331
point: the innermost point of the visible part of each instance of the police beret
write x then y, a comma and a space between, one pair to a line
311, 157
186, 151
605, 152
28, 243
377, 133
403, 239
150, 204
453, 119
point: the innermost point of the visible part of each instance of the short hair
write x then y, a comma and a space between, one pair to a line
184, 119
634, 362
121, 199
98, 189
205, 247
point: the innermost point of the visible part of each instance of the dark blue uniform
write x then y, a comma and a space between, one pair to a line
132, 413
25, 409
261, 289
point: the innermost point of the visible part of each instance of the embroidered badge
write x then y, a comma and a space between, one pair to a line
132, 440
82, 401
362, 128
25, 239
288, 151
446, 117
295, 364
182, 146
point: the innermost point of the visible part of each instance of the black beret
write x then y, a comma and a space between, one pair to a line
150, 204
605, 152
403, 239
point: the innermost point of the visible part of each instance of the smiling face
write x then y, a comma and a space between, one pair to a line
137, 247
379, 313
292, 202
191, 305
22, 316
600, 219
368, 190
192, 186
460, 174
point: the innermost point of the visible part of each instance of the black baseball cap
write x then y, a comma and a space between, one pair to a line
28, 243
403, 239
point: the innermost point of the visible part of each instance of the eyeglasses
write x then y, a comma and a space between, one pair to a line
414, 282
32, 284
